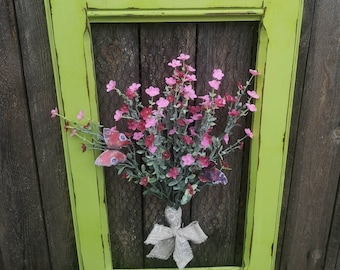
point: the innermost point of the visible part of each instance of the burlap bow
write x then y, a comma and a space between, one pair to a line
174, 239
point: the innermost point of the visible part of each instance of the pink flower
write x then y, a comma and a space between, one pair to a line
206, 140
189, 92
188, 160
170, 81
219, 101
251, 107
166, 155
153, 149
124, 108
173, 172
183, 57
214, 84
134, 87
204, 161
150, 122
132, 124
192, 131
190, 68
218, 74
191, 190
54, 112
194, 109
174, 63
191, 78
152, 91
172, 131
234, 113
254, 72
240, 86
73, 132
149, 140
145, 112
110, 86
188, 121
253, 94
226, 138
206, 101
196, 116
118, 115
248, 132
229, 98
144, 181
138, 135
162, 103
187, 139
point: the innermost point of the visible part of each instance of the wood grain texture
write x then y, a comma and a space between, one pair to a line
228, 46
315, 171
116, 55
48, 147
23, 239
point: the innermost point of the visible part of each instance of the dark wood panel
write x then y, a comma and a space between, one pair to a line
116, 54
160, 43
23, 240
40, 89
315, 174
228, 46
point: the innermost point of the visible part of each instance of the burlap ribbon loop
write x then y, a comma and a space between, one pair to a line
174, 240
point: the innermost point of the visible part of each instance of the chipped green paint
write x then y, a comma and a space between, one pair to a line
70, 38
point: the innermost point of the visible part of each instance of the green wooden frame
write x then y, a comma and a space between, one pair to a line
279, 31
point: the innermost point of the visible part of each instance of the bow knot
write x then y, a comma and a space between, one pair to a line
174, 240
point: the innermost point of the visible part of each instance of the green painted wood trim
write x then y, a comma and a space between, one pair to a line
175, 15
173, 4
74, 73
276, 60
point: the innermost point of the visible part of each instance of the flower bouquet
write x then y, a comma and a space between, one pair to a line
171, 147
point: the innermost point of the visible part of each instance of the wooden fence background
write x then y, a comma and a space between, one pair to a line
36, 229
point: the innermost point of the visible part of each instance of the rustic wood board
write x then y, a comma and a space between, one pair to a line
315, 172
22, 227
40, 88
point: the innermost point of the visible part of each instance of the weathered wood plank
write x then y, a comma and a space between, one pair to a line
116, 54
160, 43
23, 240
40, 89
315, 176
228, 46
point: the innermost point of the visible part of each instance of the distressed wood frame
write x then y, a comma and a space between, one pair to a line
278, 40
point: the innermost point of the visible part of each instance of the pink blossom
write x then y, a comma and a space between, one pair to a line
206, 101
162, 103
153, 149
219, 101
174, 63
240, 86
134, 87
138, 135
229, 98
196, 116
170, 81
191, 190
145, 112
192, 131
253, 94
181, 122
150, 122
226, 138
54, 112
206, 140
214, 84
254, 72
204, 161
149, 140
183, 57
251, 107
188, 121
130, 93
118, 115
166, 155
110, 86
124, 108
234, 113
73, 132
194, 109
248, 132
144, 181
172, 131
152, 91
188, 160
218, 74
191, 77
132, 124
189, 92
187, 139
190, 68
173, 173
